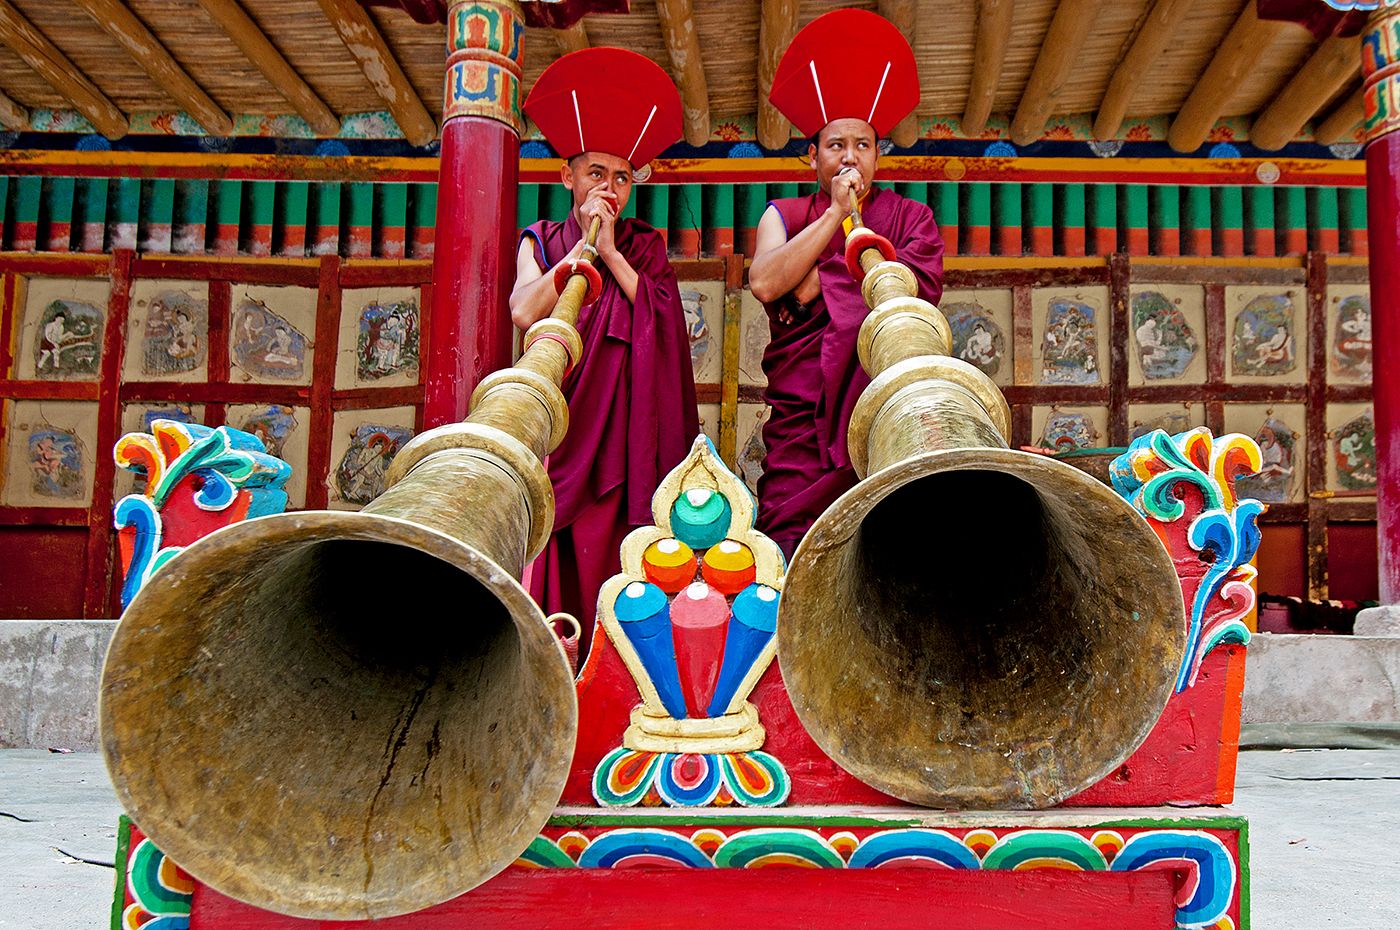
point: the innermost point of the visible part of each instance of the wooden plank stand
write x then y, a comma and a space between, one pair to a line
695, 793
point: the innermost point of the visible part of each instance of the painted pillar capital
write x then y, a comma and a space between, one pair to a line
1380, 67
484, 55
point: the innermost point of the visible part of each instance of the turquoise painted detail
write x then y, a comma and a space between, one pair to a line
700, 518
932, 845
747, 849
1034, 847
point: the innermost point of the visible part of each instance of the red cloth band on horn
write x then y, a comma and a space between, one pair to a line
857, 242
567, 270
568, 353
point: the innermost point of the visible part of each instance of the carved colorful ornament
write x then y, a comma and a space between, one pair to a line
198, 479
693, 615
1185, 486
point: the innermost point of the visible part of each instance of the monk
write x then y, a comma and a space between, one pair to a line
799, 269
632, 413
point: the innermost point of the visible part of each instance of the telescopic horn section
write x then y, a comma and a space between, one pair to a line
342, 716
971, 626
337, 715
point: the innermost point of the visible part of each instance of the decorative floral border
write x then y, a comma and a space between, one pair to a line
1204, 898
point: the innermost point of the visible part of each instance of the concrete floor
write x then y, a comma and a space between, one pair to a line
1323, 839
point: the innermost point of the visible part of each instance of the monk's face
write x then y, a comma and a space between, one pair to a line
845, 143
592, 171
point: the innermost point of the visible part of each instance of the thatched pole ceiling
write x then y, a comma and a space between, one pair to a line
989, 68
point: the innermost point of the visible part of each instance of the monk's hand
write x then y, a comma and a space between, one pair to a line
601, 203
846, 190
795, 306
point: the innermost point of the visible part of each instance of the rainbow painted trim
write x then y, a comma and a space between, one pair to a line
626, 778
1206, 894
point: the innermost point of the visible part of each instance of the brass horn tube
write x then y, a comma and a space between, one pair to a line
970, 626
343, 716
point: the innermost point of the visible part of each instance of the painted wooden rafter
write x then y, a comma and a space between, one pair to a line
777, 25
263, 55
1074, 20
1341, 121
687, 67
146, 50
573, 39
1336, 62
1244, 47
1152, 39
901, 14
362, 39
12, 115
53, 66
988, 57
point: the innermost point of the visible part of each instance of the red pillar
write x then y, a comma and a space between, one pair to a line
1380, 50
473, 257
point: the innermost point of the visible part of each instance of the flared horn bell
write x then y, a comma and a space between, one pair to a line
342, 716
971, 626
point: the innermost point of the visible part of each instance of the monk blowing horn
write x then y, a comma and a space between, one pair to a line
970, 626
288, 713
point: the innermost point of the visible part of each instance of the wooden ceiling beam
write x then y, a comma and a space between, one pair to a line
12, 115
683, 45
53, 66
361, 37
1242, 48
1336, 62
1152, 39
1341, 121
263, 55
988, 58
776, 27
573, 39
1074, 20
901, 14
131, 34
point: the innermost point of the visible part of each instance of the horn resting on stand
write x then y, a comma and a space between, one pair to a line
339, 715
970, 626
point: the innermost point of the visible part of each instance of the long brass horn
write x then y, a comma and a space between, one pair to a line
970, 626
356, 715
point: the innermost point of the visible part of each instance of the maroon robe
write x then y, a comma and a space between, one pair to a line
814, 374
632, 416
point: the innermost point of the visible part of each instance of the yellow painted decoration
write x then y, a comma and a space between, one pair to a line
729, 567
669, 564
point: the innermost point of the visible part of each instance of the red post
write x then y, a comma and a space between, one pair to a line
477, 182
1380, 51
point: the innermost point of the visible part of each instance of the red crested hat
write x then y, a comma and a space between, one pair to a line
606, 100
847, 63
